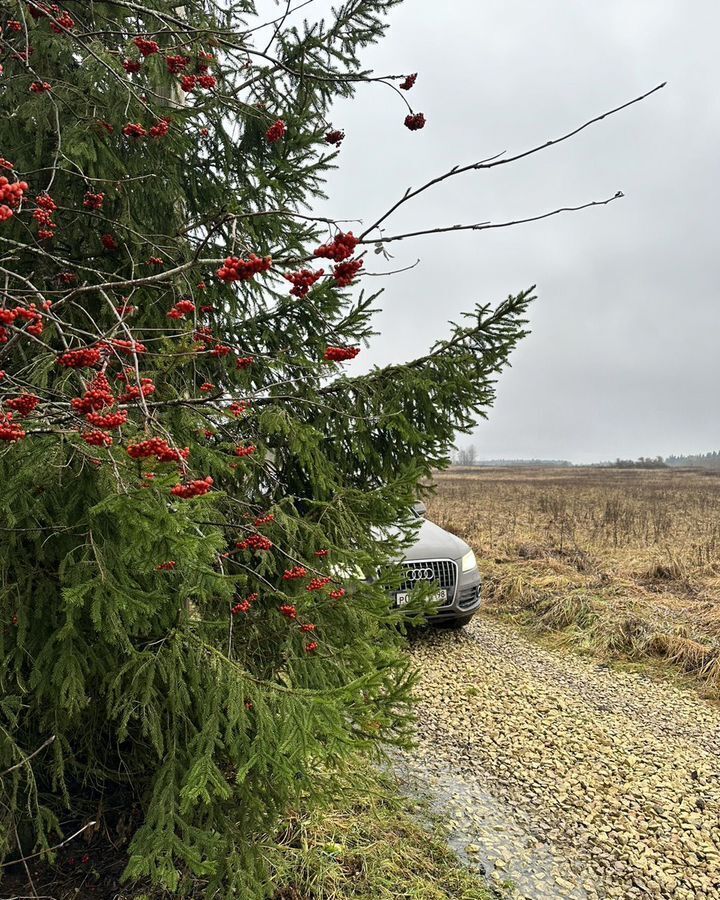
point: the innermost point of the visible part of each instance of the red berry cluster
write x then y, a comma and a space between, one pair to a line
244, 605
166, 566
409, 82
340, 354
244, 362
97, 438
194, 489
156, 261
28, 314
93, 201
341, 247
134, 130
126, 309
40, 87
14, 25
264, 520
236, 269
415, 122
109, 421
134, 391
160, 128
308, 627
181, 309
246, 450
109, 242
9, 430
255, 542
176, 63
5, 164
317, 584
237, 408
132, 66
145, 46
220, 350
311, 647
11, 195
303, 280
159, 448
322, 553
86, 357
335, 137
206, 387
124, 346
276, 132
337, 594
344, 273
288, 610
294, 573
97, 396
23, 404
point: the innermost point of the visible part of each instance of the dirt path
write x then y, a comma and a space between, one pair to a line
566, 778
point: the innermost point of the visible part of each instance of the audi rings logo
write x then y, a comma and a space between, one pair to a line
425, 574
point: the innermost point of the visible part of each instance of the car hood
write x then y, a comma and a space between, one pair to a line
434, 542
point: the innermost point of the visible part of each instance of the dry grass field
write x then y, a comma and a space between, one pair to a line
619, 563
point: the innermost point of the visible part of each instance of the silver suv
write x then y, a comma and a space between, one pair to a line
447, 561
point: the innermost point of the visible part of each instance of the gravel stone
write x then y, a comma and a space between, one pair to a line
573, 780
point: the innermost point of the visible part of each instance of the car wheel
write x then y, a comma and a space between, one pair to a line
457, 623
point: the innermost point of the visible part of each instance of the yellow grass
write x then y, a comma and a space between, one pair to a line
620, 563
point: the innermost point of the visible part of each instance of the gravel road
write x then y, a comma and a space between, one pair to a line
563, 778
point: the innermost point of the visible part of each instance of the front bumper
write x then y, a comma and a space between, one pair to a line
466, 600
463, 588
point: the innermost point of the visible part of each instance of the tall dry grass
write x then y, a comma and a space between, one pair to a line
620, 563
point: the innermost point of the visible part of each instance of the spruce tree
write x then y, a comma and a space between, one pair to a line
202, 505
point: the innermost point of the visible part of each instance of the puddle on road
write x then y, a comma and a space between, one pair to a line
491, 836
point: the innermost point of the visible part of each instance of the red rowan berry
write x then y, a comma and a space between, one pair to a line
86, 357
97, 438
288, 610
188, 83
322, 553
109, 242
341, 247
303, 280
193, 489
40, 87
246, 450
335, 137
311, 647
337, 594
132, 65
409, 81
145, 46
415, 122
308, 627
257, 542
166, 566
177, 63
345, 272
93, 201
317, 584
9, 431
134, 130
276, 132
340, 354
23, 404
109, 421
235, 269
294, 573
244, 362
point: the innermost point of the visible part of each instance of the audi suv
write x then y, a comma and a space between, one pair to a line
447, 562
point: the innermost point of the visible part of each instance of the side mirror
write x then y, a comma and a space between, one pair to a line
420, 508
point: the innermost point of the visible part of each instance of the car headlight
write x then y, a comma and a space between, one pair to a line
468, 561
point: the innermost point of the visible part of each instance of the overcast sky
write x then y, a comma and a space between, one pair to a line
623, 357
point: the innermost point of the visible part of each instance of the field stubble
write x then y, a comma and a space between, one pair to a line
623, 564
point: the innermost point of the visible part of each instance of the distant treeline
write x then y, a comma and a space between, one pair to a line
467, 457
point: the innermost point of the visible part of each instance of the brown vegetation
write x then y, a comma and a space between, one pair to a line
623, 564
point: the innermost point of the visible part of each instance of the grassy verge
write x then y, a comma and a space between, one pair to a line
375, 845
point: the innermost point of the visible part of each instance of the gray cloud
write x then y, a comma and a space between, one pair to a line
623, 356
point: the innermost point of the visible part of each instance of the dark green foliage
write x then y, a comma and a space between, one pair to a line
130, 694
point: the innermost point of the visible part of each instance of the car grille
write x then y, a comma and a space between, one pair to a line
444, 574
468, 596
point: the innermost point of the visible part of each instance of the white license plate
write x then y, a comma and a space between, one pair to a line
403, 598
